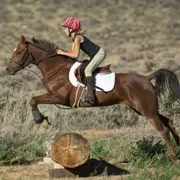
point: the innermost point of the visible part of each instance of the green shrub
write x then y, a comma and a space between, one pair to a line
149, 153
99, 150
17, 152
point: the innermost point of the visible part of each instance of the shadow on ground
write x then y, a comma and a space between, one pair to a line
94, 167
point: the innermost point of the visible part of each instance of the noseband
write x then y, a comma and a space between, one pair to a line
23, 57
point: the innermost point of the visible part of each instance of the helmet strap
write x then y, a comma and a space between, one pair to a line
70, 32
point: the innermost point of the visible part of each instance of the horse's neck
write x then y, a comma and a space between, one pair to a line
49, 63
37, 52
54, 65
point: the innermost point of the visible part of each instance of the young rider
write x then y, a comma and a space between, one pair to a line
79, 41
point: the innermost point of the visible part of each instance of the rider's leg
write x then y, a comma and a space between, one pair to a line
97, 59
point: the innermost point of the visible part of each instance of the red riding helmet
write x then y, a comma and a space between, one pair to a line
72, 23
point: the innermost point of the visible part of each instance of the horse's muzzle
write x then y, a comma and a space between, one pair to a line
11, 71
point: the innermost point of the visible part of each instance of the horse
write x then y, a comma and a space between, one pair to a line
132, 89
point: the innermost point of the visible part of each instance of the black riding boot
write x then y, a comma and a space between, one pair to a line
90, 96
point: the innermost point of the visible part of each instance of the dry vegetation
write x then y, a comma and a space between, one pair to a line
139, 36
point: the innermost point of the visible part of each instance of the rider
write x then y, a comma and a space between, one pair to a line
79, 41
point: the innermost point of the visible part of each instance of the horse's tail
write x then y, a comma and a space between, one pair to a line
166, 81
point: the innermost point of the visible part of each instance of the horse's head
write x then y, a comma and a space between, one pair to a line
33, 53
19, 58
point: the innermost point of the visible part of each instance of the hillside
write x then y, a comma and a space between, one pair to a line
144, 34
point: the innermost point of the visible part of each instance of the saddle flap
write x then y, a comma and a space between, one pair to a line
79, 72
103, 81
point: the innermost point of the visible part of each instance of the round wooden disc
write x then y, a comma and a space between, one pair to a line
70, 150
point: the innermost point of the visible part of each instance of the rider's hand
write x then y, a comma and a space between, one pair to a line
59, 51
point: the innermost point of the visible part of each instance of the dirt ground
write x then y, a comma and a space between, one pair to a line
24, 172
40, 170
35, 172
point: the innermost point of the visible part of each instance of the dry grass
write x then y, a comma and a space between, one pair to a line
25, 172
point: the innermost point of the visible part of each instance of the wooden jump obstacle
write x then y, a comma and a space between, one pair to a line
70, 150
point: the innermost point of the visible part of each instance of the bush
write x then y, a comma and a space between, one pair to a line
99, 150
149, 153
18, 152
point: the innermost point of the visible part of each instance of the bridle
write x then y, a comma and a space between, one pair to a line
25, 55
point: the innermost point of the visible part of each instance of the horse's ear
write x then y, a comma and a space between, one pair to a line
22, 39
35, 40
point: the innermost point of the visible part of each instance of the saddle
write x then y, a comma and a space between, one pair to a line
80, 74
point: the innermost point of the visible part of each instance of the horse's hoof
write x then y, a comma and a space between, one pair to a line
39, 120
38, 117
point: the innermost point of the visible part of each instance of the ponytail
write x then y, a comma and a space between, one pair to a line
81, 32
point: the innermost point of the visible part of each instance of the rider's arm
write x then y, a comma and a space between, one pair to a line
74, 52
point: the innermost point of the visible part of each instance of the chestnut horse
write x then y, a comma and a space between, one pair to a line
134, 90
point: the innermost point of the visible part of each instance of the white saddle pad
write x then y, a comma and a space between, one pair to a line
105, 81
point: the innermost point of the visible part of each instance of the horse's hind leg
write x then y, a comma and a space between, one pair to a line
161, 124
42, 99
145, 101
169, 124
156, 121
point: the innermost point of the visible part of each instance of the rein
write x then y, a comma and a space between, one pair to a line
37, 62
41, 79
21, 66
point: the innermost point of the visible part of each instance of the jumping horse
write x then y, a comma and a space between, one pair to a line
137, 91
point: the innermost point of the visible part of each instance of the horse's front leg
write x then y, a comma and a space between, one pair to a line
42, 99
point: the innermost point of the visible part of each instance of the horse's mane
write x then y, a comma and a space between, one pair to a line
45, 44
49, 47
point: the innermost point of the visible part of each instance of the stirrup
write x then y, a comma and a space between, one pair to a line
83, 99
89, 99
